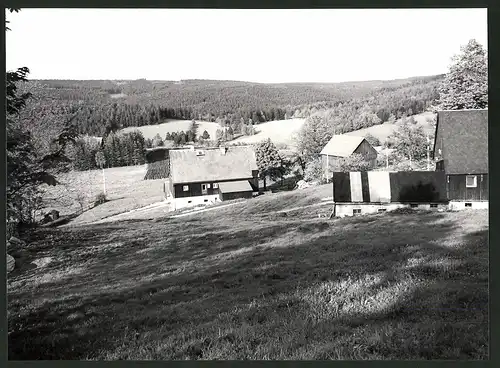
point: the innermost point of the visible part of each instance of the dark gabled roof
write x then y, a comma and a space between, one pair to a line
198, 165
462, 135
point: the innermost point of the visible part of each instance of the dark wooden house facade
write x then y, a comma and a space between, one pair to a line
199, 176
461, 152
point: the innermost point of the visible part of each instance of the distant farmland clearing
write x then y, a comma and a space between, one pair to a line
382, 131
170, 126
280, 131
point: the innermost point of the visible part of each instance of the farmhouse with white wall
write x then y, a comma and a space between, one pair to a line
208, 175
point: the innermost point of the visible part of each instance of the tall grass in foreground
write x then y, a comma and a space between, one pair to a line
240, 286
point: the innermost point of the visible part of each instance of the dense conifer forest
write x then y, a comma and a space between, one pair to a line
102, 106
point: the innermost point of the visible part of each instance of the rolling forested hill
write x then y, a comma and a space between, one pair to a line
100, 106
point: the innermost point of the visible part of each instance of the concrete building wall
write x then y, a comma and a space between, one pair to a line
184, 202
347, 209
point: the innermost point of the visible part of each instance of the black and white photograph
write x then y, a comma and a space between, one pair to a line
247, 184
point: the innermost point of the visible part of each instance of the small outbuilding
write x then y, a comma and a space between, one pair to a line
235, 189
342, 146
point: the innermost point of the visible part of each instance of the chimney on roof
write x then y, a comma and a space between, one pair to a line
223, 149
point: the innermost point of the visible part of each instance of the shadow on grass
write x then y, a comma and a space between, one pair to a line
377, 287
287, 184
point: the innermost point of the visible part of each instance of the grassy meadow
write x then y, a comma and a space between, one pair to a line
172, 125
125, 190
248, 282
280, 132
382, 131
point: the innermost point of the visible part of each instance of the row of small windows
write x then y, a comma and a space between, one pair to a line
357, 211
185, 188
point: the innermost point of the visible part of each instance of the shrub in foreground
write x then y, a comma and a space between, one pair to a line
100, 199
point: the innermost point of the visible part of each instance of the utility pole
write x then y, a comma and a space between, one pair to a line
428, 154
386, 146
104, 180
327, 168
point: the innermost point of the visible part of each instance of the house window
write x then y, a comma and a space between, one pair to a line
203, 187
208, 186
468, 204
185, 188
471, 181
356, 211
205, 200
216, 185
413, 205
434, 205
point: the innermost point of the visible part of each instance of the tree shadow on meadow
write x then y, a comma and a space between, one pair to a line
166, 290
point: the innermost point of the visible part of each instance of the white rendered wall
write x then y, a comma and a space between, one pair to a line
346, 209
476, 205
184, 202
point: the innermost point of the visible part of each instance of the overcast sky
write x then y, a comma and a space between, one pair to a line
248, 45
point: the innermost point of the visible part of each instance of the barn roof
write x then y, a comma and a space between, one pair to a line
462, 135
235, 186
342, 145
189, 166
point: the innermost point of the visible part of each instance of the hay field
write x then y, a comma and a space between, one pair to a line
125, 189
171, 126
280, 132
382, 131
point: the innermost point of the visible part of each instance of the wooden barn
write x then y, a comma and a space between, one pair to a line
342, 146
378, 191
201, 176
461, 153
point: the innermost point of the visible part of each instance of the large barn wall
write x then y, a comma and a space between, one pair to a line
385, 187
418, 186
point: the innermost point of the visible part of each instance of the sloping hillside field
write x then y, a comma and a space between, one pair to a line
250, 282
171, 126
